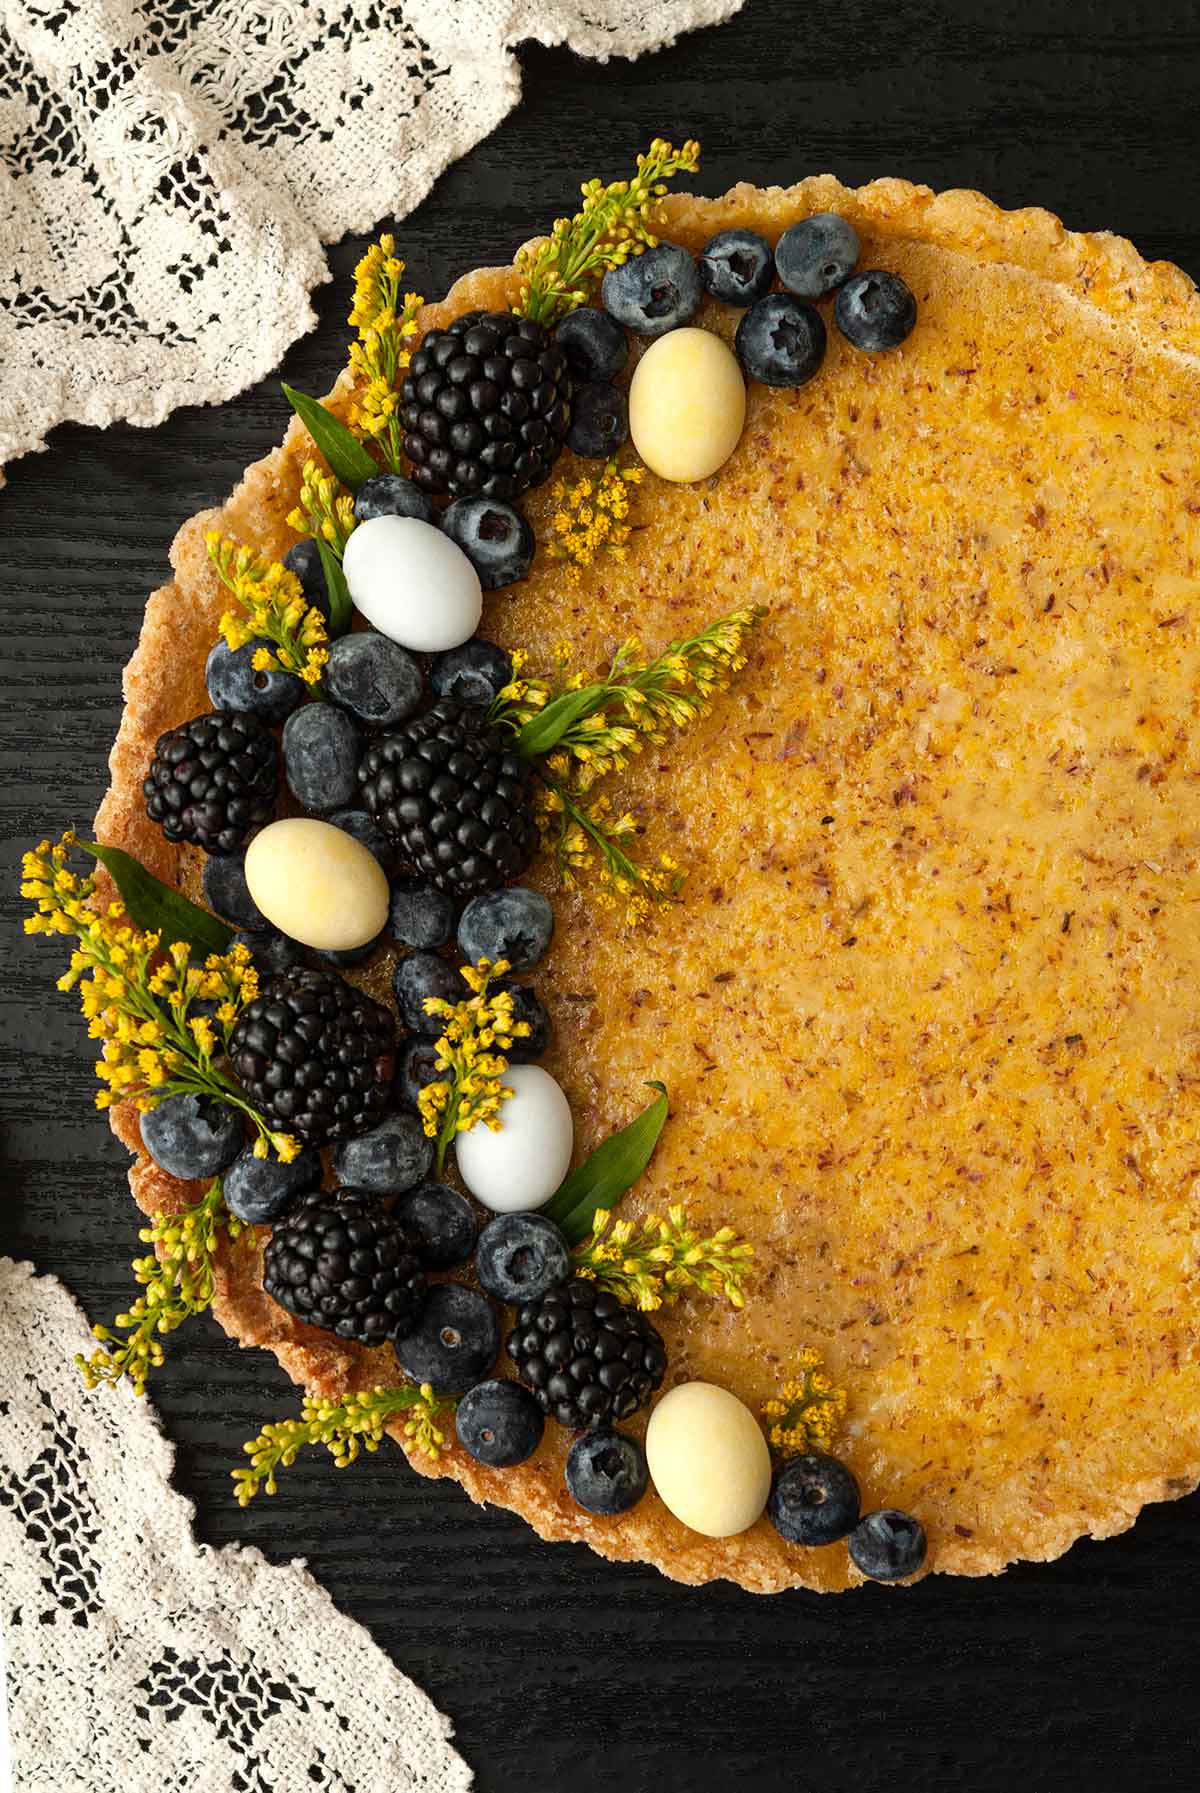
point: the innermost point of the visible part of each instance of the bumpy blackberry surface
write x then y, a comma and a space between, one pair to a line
485, 406
588, 1359
342, 1261
315, 1056
454, 796
213, 780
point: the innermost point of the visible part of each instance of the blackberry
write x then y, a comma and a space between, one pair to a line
315, 1056
213, 779
342, 1262
588, 1359
455, 797
485, 406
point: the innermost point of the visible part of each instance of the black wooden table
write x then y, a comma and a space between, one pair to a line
561, 1671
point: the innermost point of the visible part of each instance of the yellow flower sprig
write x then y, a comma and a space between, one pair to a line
592, 517
325, 511
586, 834
177, 1280
471, 1052
346, 1427
275, 610
140, 997
386, 322
807, 1412
613, 223
651, 1265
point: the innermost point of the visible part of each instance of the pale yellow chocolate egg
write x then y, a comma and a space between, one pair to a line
708, 1459
317, 884
687, 405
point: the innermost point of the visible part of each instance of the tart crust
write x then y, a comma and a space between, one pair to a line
926, 1014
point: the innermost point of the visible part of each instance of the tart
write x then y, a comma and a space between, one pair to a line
925, 1013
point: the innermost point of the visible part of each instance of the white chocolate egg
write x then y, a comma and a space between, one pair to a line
523, 1164
317, 883
687, 405
708, 1458
413, 583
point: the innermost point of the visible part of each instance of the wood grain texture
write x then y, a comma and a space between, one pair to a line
560, 1670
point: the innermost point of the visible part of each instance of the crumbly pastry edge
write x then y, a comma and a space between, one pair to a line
164, 681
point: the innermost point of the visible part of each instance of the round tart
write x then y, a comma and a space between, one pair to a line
927, 1012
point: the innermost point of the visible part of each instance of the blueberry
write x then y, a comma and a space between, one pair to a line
527, 1007
234, 684
495, 538
593, 343
373, 678
599, 421
780, 341
349, 956
653, 292
228, 895
887, 1545
305, 561
875, 310
415, 1067
814, 1500
499, 1423
815, 256
259, 1190
321, 751
474, 673
418, 976
367, 832
606, 1471
270, 949
421, 914
192, 1136
514, 924
519, 1256
391, 495
441, 1221
736, 266
393, 1157
454, 1343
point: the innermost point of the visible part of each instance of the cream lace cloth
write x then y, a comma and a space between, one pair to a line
170, 168
141, 1660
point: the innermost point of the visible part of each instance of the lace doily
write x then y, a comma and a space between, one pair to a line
170, 169
140, 1659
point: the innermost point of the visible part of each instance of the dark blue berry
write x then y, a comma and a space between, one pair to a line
815, 256
454, 1343
527, 1007
349, 956
192, 1136
271, 950
736, 266
599, 421
421, 975
513, 923
606, 1471
393, 1157
780, 341
415, 1067
305, 561
499, 1423
367, 832
495, 538
875, 311
391, 495
473, 674
373, 678
653, 292
887, 1545
234, 683
442, 1223
421, 915
321, 751
228, 895
259, 1190
814, 1500
593, 343
519, 1256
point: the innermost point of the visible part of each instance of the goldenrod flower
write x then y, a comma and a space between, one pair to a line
274, 607
471, 1052
386, 323
807, 1412
592, 517
650, 1266
345, 1427
325, 511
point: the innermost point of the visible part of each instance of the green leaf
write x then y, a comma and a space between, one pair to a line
155, 908
615, 1166
340, 607
348, 459
542, 733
